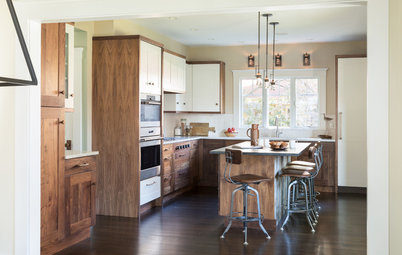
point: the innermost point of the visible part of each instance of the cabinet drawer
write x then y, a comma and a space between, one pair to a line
182, 178
76, 165
167, 184
150, 189
167, 166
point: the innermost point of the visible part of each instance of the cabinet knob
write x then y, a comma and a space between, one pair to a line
184, 103
61, 122
177, 102
71, 95
216, 104
61, 92
152, 83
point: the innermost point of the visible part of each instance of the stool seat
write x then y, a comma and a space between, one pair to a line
298, 168
249, 179
297, 174
301, 163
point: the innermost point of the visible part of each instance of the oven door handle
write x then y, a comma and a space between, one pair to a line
151, 102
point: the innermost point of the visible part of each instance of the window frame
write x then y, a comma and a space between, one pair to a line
293, 74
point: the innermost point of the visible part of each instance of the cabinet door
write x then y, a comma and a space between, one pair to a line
166, 72
206, 88
184, 102
53, 65
182, 75
155, 68
69, 67
80, 201
52, 175
145, 86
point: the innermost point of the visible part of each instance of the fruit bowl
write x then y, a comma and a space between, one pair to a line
231, 134
278, 145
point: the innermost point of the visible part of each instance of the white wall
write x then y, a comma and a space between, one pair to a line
7, 134
378, 125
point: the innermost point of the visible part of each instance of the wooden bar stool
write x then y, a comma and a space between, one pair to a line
243, 180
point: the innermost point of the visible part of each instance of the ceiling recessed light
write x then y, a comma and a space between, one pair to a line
281, 34
241, 42
172, 18
194, 29
310, 39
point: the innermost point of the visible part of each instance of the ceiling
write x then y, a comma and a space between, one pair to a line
332, 24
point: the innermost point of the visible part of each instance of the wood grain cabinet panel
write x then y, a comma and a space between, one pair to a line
53, 65
210, 164
80, 201
52, 175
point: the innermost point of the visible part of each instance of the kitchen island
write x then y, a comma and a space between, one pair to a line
264, 162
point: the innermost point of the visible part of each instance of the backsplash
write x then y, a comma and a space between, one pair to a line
223, 121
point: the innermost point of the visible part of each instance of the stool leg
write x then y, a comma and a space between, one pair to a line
231, 212
288, 204
259, 213
245, 204
307, 206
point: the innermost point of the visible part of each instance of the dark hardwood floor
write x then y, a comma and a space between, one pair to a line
191, 225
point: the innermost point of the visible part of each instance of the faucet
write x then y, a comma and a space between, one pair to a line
277, 132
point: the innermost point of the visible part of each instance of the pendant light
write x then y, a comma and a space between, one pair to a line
266, 78
274, 24
258, 73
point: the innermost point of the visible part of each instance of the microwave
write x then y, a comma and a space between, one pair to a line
150, 111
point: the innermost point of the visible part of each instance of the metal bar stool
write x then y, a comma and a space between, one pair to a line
244, 180
302, 176
315, 152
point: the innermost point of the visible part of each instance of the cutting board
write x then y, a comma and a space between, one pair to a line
201, 129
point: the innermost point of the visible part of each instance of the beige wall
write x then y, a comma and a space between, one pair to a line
322, 56
127, 27
395, 123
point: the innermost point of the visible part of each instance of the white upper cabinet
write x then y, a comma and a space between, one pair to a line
150, 68
174, 73
204, 90
207, 88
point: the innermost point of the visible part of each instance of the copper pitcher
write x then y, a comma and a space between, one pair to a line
255, 134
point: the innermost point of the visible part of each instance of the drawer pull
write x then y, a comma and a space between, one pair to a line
93, 184
166, 149
166, 159
150, 184
82, 165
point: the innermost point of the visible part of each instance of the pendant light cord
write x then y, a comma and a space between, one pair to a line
266, 51
273, 55
259, 18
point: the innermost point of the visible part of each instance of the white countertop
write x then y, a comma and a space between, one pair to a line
294, 152
79, 154
179, 139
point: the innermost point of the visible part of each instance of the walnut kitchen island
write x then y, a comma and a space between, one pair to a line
264, 162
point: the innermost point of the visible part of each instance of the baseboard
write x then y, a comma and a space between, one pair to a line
353, 190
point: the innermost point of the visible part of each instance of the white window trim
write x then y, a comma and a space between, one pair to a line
320, 73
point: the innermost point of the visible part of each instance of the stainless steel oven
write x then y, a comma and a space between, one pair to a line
150, 158
150, 111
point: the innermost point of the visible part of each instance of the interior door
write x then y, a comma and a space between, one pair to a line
352, 122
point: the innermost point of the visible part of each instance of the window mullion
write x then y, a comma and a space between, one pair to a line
293, 102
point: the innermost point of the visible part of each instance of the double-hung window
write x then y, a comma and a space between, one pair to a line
296, 101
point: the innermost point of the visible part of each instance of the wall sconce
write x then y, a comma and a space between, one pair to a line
251, 61
306, 59
278, 60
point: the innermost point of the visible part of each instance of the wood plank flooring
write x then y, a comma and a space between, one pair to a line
191, 225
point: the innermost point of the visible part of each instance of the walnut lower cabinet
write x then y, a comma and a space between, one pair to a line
180, 166
80, 191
